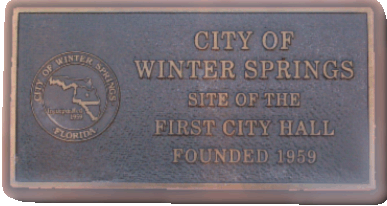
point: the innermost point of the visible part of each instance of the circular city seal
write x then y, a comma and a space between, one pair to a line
75, 96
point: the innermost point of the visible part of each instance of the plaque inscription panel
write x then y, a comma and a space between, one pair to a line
186, 98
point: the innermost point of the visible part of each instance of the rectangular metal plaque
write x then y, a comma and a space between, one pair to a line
193, 98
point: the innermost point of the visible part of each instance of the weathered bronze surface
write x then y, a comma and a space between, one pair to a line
193, 98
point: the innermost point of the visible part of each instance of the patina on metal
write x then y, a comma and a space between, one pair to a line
193, 98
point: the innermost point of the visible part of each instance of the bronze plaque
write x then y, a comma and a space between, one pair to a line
193, 98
